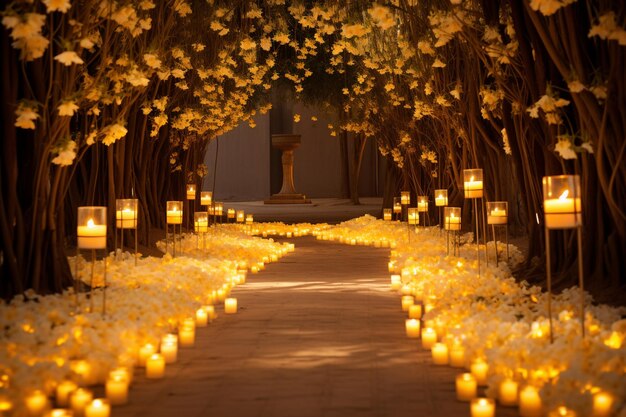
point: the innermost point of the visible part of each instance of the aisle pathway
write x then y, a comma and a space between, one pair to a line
317, 334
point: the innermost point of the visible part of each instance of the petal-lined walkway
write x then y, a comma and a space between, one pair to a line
317, 334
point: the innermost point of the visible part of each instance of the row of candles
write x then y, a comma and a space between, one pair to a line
73, 399
562, 202
175, 210
448, 350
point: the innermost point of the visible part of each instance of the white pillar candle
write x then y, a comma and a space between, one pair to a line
174, 216
60, 412
230, 306
186, 336
507, 393
210, 310
479, 369
407, 301
155, 367
530, 402
457, 356
254, 269
116, 389
202, 318
126, 219
79, 401
412, 328
396, 282
145, 352
92, 236
473, 188
452, 222
169, 348
98, 408
602, 404
562, 212
429, 337
439, 354
83, 369
497, 216
63, 392
482, 407
415, 311
466, 387
36, 403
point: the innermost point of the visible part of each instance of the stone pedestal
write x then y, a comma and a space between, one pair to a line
287, 195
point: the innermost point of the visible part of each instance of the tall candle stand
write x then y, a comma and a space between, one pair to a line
405, 202
563, 210
201, 227
473, 189
91, 232
413, 219
452, 223
126, 213
397, 208
422, 208
191, 196
173, 217
498, 216
441, 201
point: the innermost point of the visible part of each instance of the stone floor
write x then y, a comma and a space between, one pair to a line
317, 334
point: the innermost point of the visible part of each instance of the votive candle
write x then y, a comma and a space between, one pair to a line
412, 328
530, 402
439, 354
155, 366
482, 407
466, 387
98, 408
429, 337
230, 306
415, 311
507, 393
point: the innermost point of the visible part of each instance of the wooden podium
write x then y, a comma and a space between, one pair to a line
287, 195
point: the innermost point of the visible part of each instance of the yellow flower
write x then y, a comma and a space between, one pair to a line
68, 58
67, 108
26, 116
57, 5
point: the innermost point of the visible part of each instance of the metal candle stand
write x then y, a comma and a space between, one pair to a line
498, 217
91, 234
449, 214
563, 211
473, 189
126, 213
173, 217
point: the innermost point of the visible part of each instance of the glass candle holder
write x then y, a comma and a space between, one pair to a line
473, 183
497, 212
562, 201
397, 207
387, 214
405, 198
422, 204
206, 198
219, 209
91, 227
174, 212
241, 216
126, 211
441, 198
230, 213
414, 216
191, 191
249, 219
452, 216
201, 221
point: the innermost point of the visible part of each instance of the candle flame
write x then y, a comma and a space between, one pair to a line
482, 401
97, 403
564, 195
90, 223
471, 179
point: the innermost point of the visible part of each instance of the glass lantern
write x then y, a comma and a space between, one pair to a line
441, 198
126, 211
422, 204
91, 227
219, 209
387, 214
497, 212
230, 213
414, 217
397, 207
452, 216
191, 191
206, 197
473, 183
241, 217
405, 198
174, 212
562, 201
249, 219
201, 222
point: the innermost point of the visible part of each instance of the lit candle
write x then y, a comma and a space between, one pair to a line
473, 187
479, 369
415, 311
422, 204
6, 405
452, 222
63, 392
396, 282
155, 367
254, 269
457, 356
230, 306
59, 412
405, 198
441, 198
145, 352
249, 219
482, 407
429, 337
116, 388
562, 411
202, 318
397, 208
466, 387
169, 348
602, 404
530, 402
92, 235
497, 216
439, 354
205, 198
98, 408
175, 216
191, 191
562, 212
407, 302
79, 401
414, 217
230, 213
201, 222
210, 310
83, 369
36, 403
126, 219
412, 328
186, 335
241, 217
386, 214
507, 394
